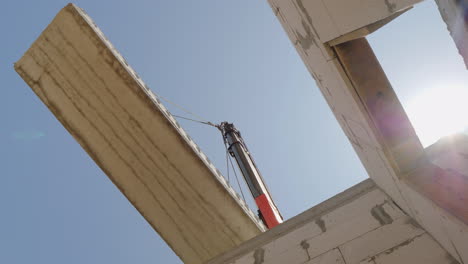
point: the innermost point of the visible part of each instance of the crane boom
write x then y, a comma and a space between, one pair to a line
237, 148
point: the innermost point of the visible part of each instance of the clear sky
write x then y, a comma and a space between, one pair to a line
224, 60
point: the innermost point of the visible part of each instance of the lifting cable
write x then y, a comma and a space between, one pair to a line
227, 161
200, 119
237, 178
203, 121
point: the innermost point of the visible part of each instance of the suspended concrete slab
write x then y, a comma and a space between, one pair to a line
121, 124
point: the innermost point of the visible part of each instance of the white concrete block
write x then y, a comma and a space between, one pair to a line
428, 216
457, 234
295, 253
359, 209
293, 239
357, 226
379, 240
352, 220
343, 224
331, 257
419, 250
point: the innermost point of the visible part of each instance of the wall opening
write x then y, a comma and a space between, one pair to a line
426, 72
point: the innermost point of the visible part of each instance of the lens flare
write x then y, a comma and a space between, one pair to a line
28, 135
439, 112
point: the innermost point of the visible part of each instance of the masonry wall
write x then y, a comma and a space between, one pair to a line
360, 225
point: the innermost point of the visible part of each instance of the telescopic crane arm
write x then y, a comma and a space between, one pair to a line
267, 209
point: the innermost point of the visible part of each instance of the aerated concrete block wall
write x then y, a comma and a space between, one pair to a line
361, 225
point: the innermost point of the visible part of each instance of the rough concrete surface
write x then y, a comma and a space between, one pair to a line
103, 103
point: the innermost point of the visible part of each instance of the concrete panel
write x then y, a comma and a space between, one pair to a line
103, 103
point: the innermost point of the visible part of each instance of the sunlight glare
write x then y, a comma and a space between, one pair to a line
439, 112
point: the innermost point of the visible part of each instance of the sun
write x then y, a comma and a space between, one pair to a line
439, 112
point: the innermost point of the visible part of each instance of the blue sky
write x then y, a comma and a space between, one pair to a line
224, 60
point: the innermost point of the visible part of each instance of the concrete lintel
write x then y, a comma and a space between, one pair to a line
377, 95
